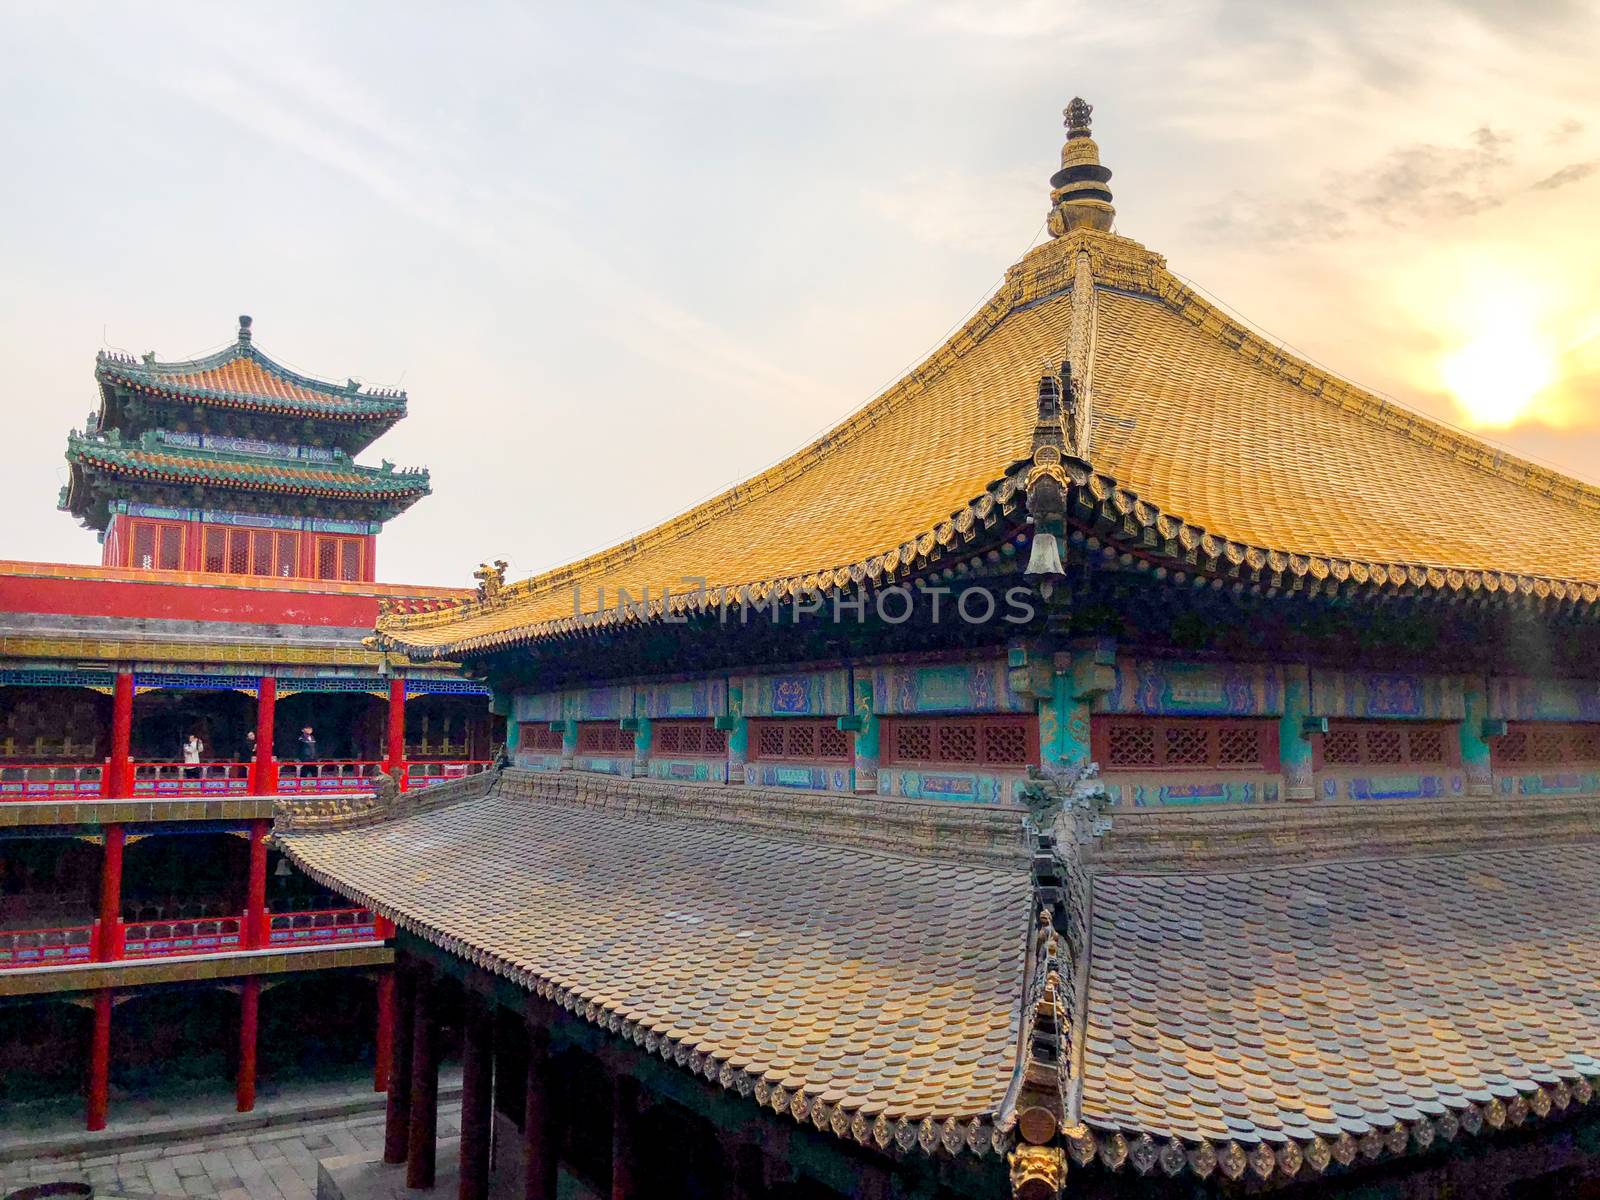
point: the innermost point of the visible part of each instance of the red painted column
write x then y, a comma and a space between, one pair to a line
422, 1143
383, 1048
624, 1122
266, 706
538, 1120
397, 727
397, 1121
249, 1022
119, 781
99, 1060
255, 911
110, 947
477, 1111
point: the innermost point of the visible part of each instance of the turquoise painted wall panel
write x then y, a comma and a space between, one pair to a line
975, 687
1162, 795
534, 761
963, 787
1545, 699
818, 779
540, 706
802, 694
1380, 695
597, 704
1156, 687
1400, 786
691, 698
695, 770
1552, 783
605, 766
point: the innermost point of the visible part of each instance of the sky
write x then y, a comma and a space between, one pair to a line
623, 255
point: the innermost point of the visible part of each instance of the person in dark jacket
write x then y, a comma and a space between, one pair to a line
308, 744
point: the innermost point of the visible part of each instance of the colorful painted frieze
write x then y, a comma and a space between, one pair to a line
980, 686
1156, 687
1520, 699
1151, 793
1385, 695
800, 694
536, 706
688, 698
797, 775
1396, 786
965, 787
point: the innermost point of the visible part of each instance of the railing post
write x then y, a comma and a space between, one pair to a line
397, 729
119, 781
266, 707
255, 913
109, 943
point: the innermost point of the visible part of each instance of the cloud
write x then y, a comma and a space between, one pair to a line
1568, 174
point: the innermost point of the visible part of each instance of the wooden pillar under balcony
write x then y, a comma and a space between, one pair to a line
119, 771
99, 1060
477, 1093
539, 1146
396, 757
110, 937
624, 1138
249, 1023
397, 1123
422, 1143
255, 909
266, 709
383, 1044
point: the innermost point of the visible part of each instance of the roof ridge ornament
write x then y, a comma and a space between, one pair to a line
244, 329
1080, 195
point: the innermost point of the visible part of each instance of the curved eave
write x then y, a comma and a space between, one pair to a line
1126, 526
87, 462
943, 544
343, 409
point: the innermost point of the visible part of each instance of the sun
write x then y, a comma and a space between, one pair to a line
1495, 377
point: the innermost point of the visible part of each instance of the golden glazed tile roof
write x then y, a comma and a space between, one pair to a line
1199, 428
802, 969
1342, 1001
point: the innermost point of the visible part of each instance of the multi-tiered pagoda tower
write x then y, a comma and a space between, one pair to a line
233, 464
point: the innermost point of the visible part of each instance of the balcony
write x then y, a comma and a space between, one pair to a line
425, 774
341, 775
46, 947
321, 927
47, 780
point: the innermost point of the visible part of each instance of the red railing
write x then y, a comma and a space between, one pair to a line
320, 927
44, 947
28, 781
422, 774
167, 939
192, 779
328, 776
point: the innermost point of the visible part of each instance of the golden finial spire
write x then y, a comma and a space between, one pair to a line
1079, 195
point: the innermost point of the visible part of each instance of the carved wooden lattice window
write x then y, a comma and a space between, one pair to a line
1546, 744
996, 741
801, 738
539, 737
1123, 743
604, 738
687, 739
157, 546
1388, 744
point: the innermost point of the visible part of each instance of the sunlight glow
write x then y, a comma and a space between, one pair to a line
1496, 376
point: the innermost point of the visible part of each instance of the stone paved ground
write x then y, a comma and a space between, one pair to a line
274, 1163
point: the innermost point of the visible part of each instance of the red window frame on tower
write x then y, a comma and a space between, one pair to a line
687, 738
339, 557
156, 545
1130, 743
231, 550
996, 742
799, 739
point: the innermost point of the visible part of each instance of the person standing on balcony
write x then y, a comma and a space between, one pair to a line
192, 749
308, 744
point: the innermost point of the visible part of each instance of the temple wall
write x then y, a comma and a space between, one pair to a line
1311, 734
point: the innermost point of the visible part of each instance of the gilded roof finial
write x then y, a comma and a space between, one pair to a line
1079, 195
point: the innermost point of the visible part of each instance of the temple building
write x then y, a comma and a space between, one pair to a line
1121, 759
152, 708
